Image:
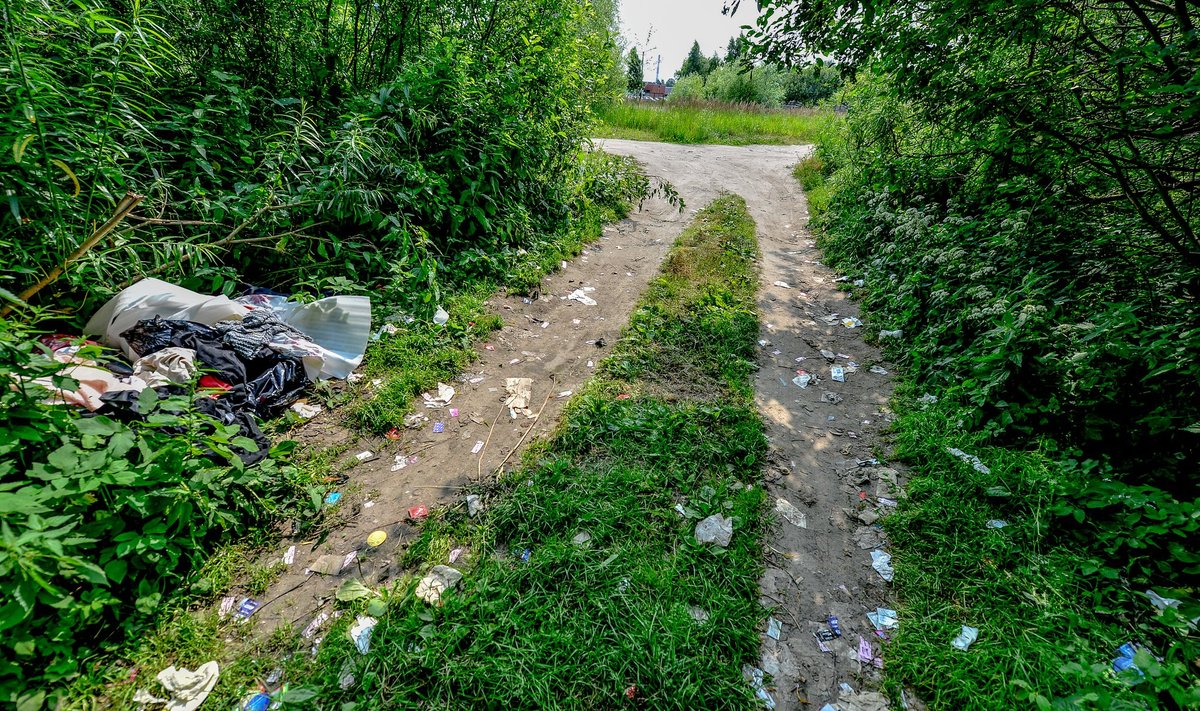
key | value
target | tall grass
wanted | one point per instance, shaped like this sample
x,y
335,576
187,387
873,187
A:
x,y
711,122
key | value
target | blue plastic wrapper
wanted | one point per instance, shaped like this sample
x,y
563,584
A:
x,y
833,625
258,702
1124,659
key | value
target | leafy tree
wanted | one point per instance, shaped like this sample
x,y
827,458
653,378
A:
x,y
634,71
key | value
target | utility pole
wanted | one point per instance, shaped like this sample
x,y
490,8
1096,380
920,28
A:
x,y
657,70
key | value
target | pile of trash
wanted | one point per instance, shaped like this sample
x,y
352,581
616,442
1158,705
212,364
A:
x,y
251,357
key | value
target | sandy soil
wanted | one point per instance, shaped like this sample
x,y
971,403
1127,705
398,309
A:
x,y
817,433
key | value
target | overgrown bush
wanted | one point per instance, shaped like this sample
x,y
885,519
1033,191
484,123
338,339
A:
x,y
100,517
735,83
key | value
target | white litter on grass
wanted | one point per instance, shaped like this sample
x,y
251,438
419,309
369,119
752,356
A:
x,y
828,355
715,529
188,688
478,446
927,399
763,342
581,297
965,638
698,614
838,373
887,502
226,607
474,505
566,393
878,371
306,411
442,399
793,515
476,380
802,380
360,632
783,285
441,318
882,563
348,560
891,334
996,523
439,580
969,459
289,556
315,625
364,455
354,377
851,322
400,463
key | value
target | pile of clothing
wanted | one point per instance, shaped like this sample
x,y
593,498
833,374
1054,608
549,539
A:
x,y
254,355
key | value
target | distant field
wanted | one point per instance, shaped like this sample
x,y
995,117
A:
x,y
730,124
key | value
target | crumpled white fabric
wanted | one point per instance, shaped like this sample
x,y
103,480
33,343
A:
x,y
520,393
170,366
93,382
188,688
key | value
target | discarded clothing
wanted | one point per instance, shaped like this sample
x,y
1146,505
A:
x,y
94,384
256,331
188,688
170,366
335,332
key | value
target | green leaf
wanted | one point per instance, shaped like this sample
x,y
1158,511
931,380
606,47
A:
x,y
115,570
298,695
353,590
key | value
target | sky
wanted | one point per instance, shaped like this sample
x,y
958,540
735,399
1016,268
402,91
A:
x,y
678,23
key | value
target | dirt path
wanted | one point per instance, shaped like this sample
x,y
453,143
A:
x,y
811,573
818,434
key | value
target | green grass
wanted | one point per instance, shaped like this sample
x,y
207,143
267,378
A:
x,y
729,124
575,626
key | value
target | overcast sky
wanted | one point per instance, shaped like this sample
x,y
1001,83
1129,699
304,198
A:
x,y
676,24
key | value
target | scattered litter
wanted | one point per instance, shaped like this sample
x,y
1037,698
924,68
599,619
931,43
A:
x,y
257,702
965,638
289,556
846,688
226,607
478,446
441,318
581,297
882,563
304,410
851,367
1160,602
360,632
873,462
364,455
623,585
927,399
346,676
418,512
520,393
774,628
866,654
333,497
763,342
581,538
887,502
354,377
878,371
315,626
415,421
851,322
834,626
454,412
859,282
489,347
590,364
715,529
474,505
996,523
442,399
838,374
455,555
439,580
698,614
439,427
376,538
1124,659
477,379
828,355
891,334
188,689
793,515
803,380
821,644
775,353
514,361
831,398
754,676
884,619
969,459
368,504
565,393
348,560
400,463
831,319
783,285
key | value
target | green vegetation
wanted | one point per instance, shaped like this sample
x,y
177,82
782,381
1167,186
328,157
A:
x,y
396,149
1029,225
736,125
668,420
737,80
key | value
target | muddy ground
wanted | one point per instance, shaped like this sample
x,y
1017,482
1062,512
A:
x,y
819,434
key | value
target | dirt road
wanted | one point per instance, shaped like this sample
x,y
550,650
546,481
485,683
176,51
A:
x,y
813,572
